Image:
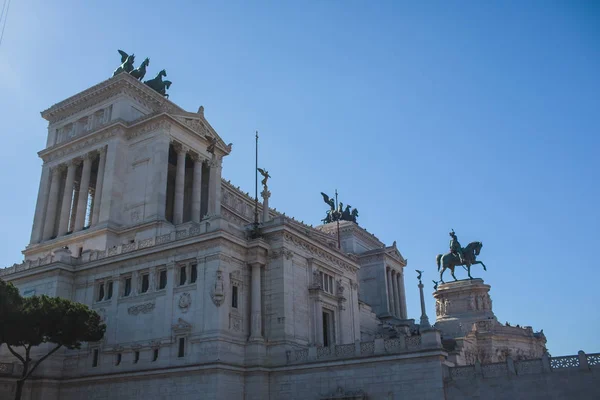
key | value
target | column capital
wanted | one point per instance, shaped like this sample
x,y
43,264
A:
x,y
215,162
179,147
58,169
197,157
88,155
101,150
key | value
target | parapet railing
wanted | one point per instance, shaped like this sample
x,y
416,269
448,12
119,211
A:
x,y
542,365
356,349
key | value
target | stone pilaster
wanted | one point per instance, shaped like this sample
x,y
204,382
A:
x,y
197,189
179,185
84,188
67,200
214,187
52,203
99,184
256,303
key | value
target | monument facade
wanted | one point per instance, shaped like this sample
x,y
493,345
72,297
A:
x,y
134,219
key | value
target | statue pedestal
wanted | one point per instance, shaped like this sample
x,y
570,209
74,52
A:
x,y
460,304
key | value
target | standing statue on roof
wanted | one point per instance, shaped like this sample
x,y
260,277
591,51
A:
x,y
265,175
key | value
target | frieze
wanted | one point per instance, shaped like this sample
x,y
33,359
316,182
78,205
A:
x,y
320,253
161,124
84,142
141,308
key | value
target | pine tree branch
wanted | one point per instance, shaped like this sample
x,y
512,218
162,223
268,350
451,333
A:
x,y
42,359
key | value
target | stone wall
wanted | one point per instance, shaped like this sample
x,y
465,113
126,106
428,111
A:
x,y
570,377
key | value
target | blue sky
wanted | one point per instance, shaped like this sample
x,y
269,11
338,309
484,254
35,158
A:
x,y
476,116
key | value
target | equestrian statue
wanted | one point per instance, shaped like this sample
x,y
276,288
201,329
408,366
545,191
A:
x,y
466,257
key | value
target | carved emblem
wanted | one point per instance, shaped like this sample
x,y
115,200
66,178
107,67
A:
x,y
181,326
217,293
185,300
141,308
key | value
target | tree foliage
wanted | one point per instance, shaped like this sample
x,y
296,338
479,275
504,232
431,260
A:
x,y
36,320
10,300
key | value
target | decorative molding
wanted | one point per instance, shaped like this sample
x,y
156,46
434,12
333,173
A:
x,y
144,308
182,327
235,322
121,84
83,142
319,252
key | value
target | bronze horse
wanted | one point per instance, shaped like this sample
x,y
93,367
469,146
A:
x,y
449,260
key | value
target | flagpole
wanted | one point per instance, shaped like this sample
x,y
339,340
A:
x,y
256,184
337,218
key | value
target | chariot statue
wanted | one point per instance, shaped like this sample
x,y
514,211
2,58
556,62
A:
x,y
466,257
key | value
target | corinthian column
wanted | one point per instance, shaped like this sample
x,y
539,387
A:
x,y
99,183
390,291
396,294
256,323
197,189
52,203
84,188
67,200
179,185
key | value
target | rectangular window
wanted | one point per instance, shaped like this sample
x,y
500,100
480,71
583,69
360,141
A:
x,y
234,297
182,276
328,328
194,273
145,283
162,279
101,292
155,355
181,350
327,282
118,361
127,288
325,329
109,290
95,358
136,357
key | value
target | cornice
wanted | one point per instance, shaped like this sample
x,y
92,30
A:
x,y
104,90
83,142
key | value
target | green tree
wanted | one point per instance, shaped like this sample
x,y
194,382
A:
x,y
43,319
10,300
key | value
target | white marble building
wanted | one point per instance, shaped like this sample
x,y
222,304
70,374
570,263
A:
x,y
134,219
